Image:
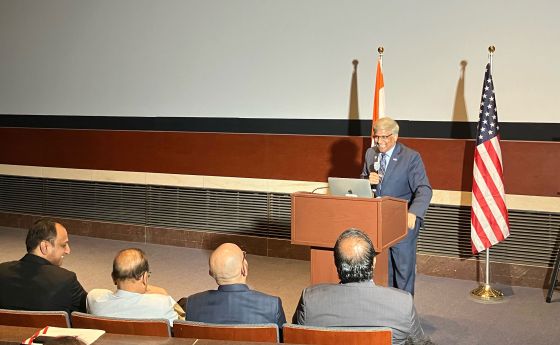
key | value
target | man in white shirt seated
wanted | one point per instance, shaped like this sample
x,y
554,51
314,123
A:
x,y
134,298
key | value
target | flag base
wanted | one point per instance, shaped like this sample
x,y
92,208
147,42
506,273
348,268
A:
x,y
486,293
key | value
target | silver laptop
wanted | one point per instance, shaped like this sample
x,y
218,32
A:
x,y
354,187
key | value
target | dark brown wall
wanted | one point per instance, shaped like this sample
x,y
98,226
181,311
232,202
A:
x,y
289,157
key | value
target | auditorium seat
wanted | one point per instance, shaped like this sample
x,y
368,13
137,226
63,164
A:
x,y
267,332
153,327
336,335
26,318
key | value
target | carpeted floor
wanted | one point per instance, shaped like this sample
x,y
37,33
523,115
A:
x,y
448,315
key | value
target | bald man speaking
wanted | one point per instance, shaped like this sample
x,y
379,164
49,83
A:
x,y
233,302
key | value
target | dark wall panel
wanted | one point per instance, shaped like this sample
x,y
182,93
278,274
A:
x,y
530,168
409,128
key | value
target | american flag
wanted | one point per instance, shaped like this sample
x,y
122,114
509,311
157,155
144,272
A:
x,y
489,215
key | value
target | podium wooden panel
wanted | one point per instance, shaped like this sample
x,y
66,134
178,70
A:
x,y
318,220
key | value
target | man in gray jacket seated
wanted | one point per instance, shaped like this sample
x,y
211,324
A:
x,y
357,301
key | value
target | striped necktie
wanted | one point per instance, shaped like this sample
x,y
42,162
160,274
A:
x,y
382,167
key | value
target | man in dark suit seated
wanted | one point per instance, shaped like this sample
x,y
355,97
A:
x,y
233,302
357,301
36,281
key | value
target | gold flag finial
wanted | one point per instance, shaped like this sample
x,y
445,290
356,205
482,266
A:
x,y
380,50
491,49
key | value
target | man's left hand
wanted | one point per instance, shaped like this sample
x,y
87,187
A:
x,y
411,220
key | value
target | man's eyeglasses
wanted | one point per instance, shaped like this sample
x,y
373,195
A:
x,y
244,255
382,137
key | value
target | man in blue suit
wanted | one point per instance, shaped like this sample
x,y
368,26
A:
x,y
233,302
398,171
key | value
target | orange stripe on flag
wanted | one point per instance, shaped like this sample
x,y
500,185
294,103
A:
x,y
379,94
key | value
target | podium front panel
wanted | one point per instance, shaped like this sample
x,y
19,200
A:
x,y
318,220
393,217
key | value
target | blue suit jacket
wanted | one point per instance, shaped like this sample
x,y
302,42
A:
x,y
234,304
405,178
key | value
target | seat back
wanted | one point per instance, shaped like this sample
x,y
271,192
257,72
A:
x,y
267,332
28,318
154,327
336,335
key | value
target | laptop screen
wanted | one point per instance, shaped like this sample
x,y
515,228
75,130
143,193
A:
x,y
355,187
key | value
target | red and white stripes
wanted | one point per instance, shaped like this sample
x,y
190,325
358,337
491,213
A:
x,y
489,216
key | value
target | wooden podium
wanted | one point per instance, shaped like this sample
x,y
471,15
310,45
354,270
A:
x,y
318,220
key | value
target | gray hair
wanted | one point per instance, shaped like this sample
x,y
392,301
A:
x,y
386,123
354,266
130,263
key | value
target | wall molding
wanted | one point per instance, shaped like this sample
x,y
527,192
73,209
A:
x,y
440,197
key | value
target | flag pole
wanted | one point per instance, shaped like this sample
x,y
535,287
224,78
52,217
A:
x,y
377,98
485,292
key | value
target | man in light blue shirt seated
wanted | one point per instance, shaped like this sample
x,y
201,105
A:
x,y
134,298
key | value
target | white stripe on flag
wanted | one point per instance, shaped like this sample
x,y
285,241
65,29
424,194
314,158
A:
x,y
476,239
496,144
494,209
483,222
489,164
381,108
487,193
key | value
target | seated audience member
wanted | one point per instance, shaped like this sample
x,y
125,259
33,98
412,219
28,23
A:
x,y
36,281
134,298
357,301
233,302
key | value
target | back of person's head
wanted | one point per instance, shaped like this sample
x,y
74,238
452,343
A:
x,y
354,256
228,265
129,264
41,230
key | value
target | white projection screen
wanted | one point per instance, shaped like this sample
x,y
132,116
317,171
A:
x,y
277,59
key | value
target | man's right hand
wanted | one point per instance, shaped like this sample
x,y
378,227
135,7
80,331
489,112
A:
x,y
374,178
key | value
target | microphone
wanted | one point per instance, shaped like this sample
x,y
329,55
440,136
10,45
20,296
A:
x,y
376,165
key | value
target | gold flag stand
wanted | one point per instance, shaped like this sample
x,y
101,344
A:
x,y
485,293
